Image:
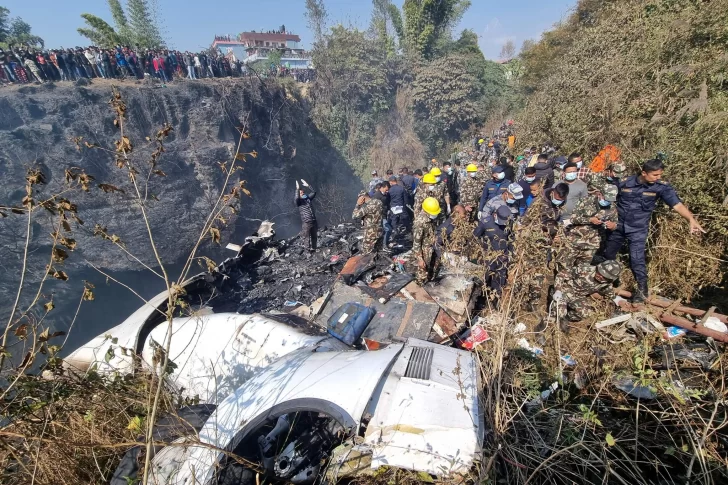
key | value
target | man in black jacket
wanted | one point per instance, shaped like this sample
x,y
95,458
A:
x,y
381,192
397,206
309,226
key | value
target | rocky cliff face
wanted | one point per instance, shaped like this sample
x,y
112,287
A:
x,y
38,123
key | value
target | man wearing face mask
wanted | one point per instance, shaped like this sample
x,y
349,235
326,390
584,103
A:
x,y
471,188
309,226
428,188
443,197
510,198
594,217
451,182
423,240
544,169
493,229
637,199
540,228
611,176
583,171
495,187
577,190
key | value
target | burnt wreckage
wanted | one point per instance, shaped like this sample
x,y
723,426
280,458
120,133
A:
x,y
306,366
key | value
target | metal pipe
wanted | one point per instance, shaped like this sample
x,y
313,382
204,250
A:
x,y
671,319
665,303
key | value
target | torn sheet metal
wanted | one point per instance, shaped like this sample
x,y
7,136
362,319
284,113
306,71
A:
x,y
383,291
398,318
356,266
455,294
428,421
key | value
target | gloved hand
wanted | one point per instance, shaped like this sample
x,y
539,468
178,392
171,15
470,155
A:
x,y
448,209
480,213
558,296
304,183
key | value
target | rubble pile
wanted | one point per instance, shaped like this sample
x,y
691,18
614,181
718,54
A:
x,y
275,275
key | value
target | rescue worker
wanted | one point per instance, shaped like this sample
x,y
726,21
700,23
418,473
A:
x,y
376,179
451,182
369,210
583,171
577,190
428,188
540,228
424,233
612,175
443,194
493,229
637,199
573,289
495,187
510,198
592,220
471,188
309,226
397,206
381,192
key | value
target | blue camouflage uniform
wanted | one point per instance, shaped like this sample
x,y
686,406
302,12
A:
x,y
497,241
635,203
491,190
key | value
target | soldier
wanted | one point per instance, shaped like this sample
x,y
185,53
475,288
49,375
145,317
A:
x,y
471,187
597,180
593,218
376,179
369,210
539,234
442,183
424,234
428,188
638,196
574,287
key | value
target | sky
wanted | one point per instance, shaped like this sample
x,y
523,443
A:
x,y
192,24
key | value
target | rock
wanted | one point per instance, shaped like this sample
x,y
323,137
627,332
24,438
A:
x,y
47,127
82,81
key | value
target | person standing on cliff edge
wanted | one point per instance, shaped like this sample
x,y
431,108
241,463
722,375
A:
x,y
309,226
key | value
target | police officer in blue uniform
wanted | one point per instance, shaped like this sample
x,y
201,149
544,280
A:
x,y
493,228
495,187
637,199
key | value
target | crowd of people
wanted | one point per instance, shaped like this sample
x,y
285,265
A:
x,y
22,65
573,220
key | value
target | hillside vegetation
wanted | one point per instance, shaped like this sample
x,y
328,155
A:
x,y
649,77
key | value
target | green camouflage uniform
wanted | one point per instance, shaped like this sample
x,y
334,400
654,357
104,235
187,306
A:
x,y
539,227
596,181
423,240
371,213
576,285
583,238
423,192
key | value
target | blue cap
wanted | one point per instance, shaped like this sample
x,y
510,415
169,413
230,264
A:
x,y
498,169
503,214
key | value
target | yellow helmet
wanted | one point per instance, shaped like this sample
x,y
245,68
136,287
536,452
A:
x,y
481,141
431,206
436,171
471,168
429,179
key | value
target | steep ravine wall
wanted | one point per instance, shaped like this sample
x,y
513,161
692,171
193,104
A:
x,y
36,127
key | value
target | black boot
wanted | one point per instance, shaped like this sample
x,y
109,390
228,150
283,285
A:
x,y
641,294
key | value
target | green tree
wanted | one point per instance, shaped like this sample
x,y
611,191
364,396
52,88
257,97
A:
x,y
448,99
120,22
317,16
4,24
20,33
99,32
381,24
428,21
144,30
